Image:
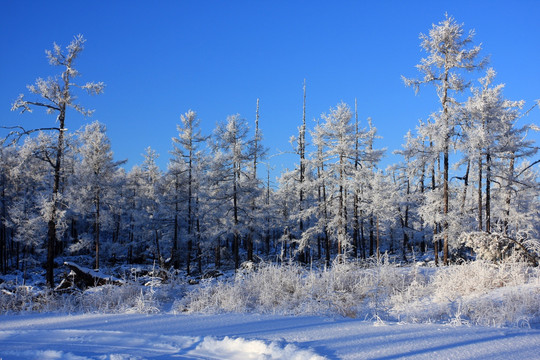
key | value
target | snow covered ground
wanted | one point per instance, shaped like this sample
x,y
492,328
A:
x,y
234,336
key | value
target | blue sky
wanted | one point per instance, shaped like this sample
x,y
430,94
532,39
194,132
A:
x,y
162,58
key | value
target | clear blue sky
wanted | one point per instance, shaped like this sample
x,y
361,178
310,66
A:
x,y
161,58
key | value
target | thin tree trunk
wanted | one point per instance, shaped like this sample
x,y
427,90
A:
x,y
378,241
3,233
236,243
51,224
158,250
435,226
509,194
488,192
480,210
446,155
97,230
302,150
190,213
465,186
371,235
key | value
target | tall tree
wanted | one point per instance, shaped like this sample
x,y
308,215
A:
x,y
490,117
231,155
187,152
96,177
56,95
339,135
449,53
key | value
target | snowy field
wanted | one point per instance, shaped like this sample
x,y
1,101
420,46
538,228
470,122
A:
x,y
233,336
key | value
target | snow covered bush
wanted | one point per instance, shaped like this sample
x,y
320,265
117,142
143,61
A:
x,y
486,246
127,298
25,298
345,289
478,292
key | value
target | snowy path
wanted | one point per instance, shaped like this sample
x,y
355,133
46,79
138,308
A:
x,y
119,337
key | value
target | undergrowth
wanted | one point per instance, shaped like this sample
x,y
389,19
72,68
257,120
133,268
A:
x,y
472,293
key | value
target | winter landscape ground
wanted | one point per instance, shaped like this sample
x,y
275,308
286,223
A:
x,y
167,336
351,311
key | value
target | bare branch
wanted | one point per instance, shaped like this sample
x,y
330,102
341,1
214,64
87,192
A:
x,y
18,132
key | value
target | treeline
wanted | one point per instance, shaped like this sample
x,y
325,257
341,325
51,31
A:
x,y
465,181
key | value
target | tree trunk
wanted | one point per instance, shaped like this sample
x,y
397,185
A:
x,y
236,243
488,192
158,250
371,235
465,186
174,250
446,205
96,230
480,210
435,226
3,232
190,217
508,194
51,224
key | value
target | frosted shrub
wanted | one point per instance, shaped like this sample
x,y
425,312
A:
x,y
477,277
26,299
118,299
345,289
286,285
479,292
511,306
413,303
486,246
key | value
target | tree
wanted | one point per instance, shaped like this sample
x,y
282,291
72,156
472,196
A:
x,y
56,96
186,156
489,116
449,53
231,184
339,137
151,198
23,214
96,177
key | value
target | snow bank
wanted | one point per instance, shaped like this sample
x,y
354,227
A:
x,y
242,349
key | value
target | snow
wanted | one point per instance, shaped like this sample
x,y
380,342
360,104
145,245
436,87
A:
x,y
235,336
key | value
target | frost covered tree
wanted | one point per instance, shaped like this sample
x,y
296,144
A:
x,y
186,158
490,117
450,52
56,95
229,179
8,156
96,175
408,178
28,177
339,137
257,152
151,204
496,145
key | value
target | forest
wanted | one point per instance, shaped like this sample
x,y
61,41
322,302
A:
x,y
466,186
